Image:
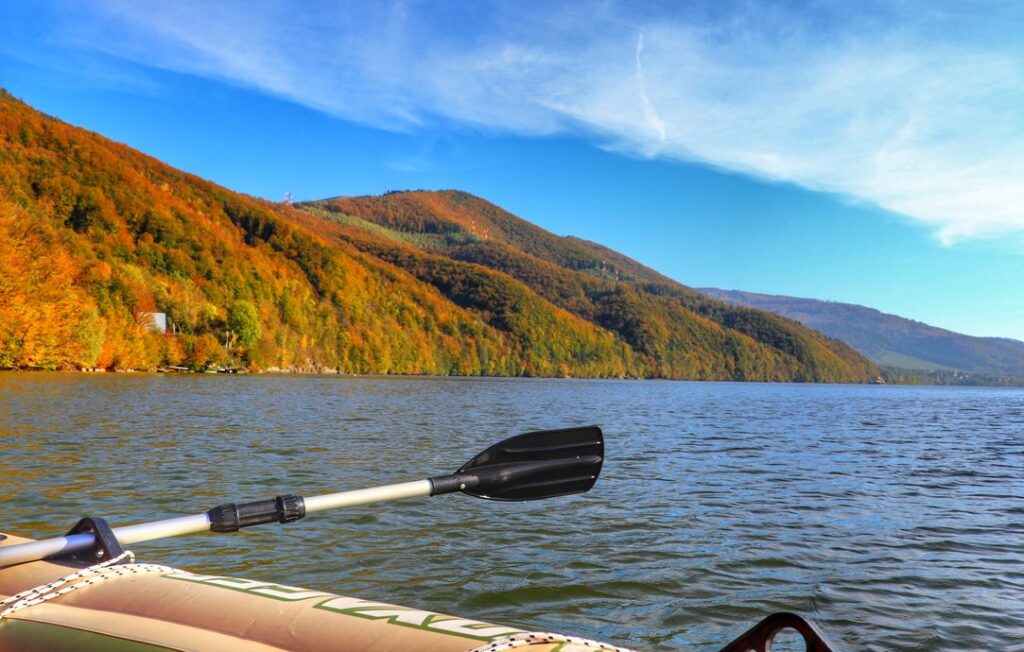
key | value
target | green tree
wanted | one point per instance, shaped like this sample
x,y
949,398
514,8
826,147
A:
x,y
89,333
244,321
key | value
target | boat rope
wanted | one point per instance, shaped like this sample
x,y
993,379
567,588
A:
x,y
523,639
85,577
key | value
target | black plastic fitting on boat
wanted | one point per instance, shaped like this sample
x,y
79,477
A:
x,y
760,637
231,517
105,545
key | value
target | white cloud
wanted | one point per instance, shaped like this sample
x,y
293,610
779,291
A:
x,y
650,115
917,108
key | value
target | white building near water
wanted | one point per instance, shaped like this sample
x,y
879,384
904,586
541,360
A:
x,y
154,321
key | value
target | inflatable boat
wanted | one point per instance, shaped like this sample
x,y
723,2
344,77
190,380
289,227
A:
x,y
84,591
135,607
147,608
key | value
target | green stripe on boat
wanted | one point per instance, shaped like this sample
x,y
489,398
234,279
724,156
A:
x,y
392,614
30,636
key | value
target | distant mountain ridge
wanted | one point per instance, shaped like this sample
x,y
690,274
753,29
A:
x,y
889,339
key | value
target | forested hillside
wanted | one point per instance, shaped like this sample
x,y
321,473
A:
x,y
672,330
95,236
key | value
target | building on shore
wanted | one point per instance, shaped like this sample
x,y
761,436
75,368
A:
x,y
154,321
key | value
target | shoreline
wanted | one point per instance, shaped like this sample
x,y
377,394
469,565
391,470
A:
x,y
1008,384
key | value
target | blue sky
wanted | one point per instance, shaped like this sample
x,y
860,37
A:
x,y
863,152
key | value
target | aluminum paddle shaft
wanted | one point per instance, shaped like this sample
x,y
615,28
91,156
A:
x,y
172,527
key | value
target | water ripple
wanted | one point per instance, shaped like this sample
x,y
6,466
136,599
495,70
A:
x,y
892,515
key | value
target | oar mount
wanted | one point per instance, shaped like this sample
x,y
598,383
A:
x,y
105,544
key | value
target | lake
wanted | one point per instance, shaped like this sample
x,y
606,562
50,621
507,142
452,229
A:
x,y
893,516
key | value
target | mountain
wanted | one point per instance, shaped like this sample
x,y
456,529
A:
x,y
95,236
671,330
891,340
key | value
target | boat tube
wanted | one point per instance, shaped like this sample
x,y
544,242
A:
x,y
51,605
137,607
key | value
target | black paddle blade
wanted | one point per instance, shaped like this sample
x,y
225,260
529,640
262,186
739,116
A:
x,y
531,466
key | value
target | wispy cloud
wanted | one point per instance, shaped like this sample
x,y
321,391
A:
x,y
650,115
915,107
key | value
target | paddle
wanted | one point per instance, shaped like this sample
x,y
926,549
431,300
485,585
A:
x,y
530,466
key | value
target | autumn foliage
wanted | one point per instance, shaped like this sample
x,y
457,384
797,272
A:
x,y
95,236
671,331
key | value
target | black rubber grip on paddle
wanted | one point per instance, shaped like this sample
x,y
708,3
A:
x,y
231,517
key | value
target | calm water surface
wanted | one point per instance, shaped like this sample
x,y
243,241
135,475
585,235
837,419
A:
x,y
894,516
